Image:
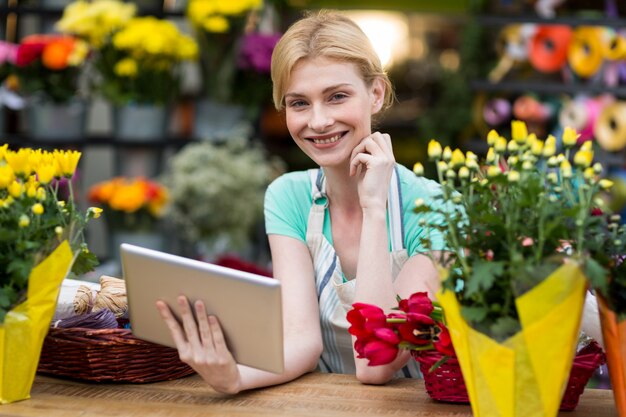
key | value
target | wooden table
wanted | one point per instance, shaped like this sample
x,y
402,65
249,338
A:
x,y
319,395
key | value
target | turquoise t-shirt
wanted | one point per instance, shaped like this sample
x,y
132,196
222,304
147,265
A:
x,y
288,201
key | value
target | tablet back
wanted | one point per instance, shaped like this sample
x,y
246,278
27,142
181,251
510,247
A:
x,y
248,306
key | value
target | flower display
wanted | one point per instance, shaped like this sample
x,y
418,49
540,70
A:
x,y
130,203
35,218
416,324
217,190
50,65
232,51
138,59
517,216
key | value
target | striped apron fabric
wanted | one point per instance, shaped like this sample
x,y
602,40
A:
x,y
335,296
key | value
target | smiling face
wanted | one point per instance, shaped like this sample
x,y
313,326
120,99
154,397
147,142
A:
x,y
329,109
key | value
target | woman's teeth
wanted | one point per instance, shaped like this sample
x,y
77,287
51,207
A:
x,y
325,141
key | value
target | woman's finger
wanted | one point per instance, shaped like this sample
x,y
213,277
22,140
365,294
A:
x,y
189,322
383,140
357,160
218,337
204,327
172,324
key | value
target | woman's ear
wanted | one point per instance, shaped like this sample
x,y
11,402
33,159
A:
x,y
378,95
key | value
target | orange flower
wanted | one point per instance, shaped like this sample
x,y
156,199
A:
x,y
57,52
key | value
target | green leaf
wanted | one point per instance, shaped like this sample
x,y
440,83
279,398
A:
x,y
597,275
474,314
483,275
504,327
85,261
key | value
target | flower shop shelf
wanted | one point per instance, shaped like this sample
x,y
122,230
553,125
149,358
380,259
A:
x,y
58,11
16,140
500,20
545,87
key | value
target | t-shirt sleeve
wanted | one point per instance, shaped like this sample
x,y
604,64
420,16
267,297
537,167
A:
x,y
287,204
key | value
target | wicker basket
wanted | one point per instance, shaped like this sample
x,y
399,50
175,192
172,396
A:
x,y
446,382
108,355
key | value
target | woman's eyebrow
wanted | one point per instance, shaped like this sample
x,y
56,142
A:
x,y
326,90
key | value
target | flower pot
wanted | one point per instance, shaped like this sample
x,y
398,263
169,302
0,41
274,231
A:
x,y
25,326
146,239
57,121
218,122
614,336
137,122
526,374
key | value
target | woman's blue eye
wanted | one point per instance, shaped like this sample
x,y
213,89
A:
x,y
339,96
297,103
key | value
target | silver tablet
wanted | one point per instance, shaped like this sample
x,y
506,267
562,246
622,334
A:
x,y
248,306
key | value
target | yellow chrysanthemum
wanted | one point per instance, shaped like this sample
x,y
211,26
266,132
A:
x,y
519,131
126,67
37,209
7,176
68,162
24,221
434,149
16,189
570,137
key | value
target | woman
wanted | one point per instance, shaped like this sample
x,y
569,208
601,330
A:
x,y
340,234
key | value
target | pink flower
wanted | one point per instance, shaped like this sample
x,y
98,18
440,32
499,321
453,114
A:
x,y
8,53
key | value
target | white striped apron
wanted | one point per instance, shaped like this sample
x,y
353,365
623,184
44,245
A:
x,y
335,296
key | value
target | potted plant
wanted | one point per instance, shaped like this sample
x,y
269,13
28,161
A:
x,y
514,278
41,241
49,69
137,62
217,193
133,208
235,51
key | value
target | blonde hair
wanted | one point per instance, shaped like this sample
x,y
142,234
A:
x,y
331,35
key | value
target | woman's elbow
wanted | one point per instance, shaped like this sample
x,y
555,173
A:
x,y
373,375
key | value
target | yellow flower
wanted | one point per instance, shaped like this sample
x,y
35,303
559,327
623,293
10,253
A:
x,y
216,24
570,137
500,146
434,149
586,146
126,67
41,194
491,156
457,159
549,147
447,154
79,53
566,169
46,172
418,169
513,176
583,158
605,184
95,212
492,137
442,166
16,189
19,161
537,147
6,176
68,161
493,171
589,173
24,221
519,132
464,173
513,146
37,209
58,230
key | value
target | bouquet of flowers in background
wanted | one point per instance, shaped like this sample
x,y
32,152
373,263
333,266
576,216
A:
x,y
132,204
137,59
417,324
50,66
34,218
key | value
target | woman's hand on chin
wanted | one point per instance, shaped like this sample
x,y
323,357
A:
x,y
201,345
372,161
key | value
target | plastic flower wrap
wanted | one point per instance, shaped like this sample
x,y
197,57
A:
x,y
138,59
50,65
131,203
35,217
514,278
416,324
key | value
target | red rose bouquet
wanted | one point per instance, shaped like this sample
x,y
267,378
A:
x,y
416,324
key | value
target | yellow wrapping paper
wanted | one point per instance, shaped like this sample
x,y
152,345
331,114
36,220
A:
x,y
26,326
525,375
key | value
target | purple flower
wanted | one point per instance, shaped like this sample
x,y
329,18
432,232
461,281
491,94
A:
x,y
256,51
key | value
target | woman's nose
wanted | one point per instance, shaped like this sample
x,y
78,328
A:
x,y
320,119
